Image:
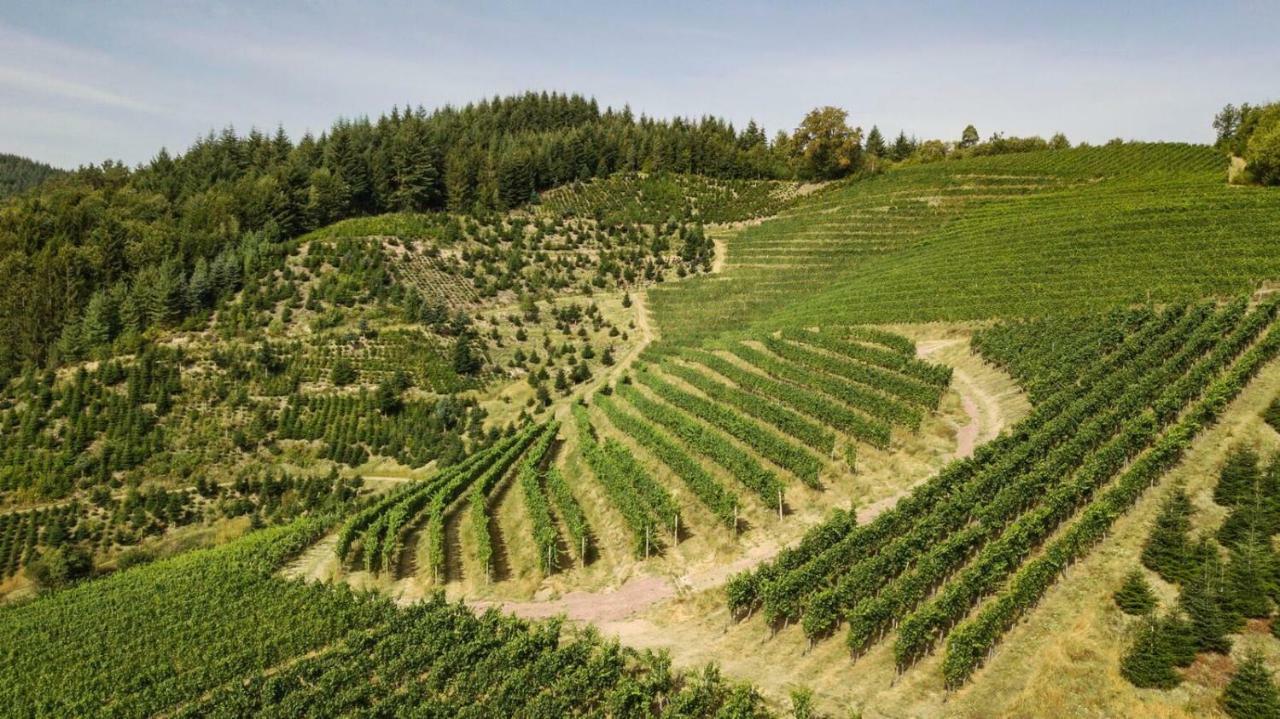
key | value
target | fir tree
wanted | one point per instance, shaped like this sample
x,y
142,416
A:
x,y
1205,604
902,148
875,143
1272,415
1250,580
1148,663
1251,693
1135,595
1238,476
1168,548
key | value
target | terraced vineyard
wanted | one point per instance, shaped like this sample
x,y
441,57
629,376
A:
x,y
990,236
750,420
1162,229
997,530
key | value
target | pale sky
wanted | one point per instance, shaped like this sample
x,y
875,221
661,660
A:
x,y
82,82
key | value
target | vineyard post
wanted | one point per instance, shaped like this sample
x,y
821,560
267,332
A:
x,y
779,504
675,531
646,541
582,555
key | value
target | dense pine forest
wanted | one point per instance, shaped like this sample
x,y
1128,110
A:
x,y
19,174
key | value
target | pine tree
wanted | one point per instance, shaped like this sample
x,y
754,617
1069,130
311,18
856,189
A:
x,y
875,143
1250,580
101,320
1272,415
1149,661
1168,548
1238,476
1251,693
902,148
1205,604
416,179
1135,595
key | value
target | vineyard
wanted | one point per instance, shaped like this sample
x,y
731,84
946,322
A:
x,y
989,237
376,538
850,432
994,532
1163,230
298,649
749,422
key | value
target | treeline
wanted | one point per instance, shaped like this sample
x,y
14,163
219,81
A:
x,y
1252,132
102,225
18,174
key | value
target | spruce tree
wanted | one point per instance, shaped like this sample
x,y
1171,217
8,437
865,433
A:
x,y
1250,580
1135,595
1148,663
875,143
1205,604
1251,693
1168,549
1272,415
1238,476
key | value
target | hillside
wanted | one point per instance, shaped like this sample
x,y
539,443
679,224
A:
x,y
1012,235
296,428
18,174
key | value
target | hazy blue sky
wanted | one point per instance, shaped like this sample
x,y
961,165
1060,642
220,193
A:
x,y
85,81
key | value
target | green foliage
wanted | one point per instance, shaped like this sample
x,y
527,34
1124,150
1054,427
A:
x,y
1168,550
1204,600
1251,579
1240,473
60,566
159,639
825,147
1251,693
19,174
1135,595
1149,661
653,198
343,373
644,506
1272,414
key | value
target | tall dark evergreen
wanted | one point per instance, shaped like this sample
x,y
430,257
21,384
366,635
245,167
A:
x,y
1135,595
1149,661
1238,476
1251,693
875,143
1168,551
1251,578
1206,604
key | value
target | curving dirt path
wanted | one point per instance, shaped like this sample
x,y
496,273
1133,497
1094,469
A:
x,y
974,400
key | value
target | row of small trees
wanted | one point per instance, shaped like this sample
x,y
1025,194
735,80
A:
x,y
1214,597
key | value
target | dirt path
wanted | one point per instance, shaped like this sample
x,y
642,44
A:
x,y
722,255
975,402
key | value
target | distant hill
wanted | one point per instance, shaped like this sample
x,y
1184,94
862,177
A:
x,y
20,173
